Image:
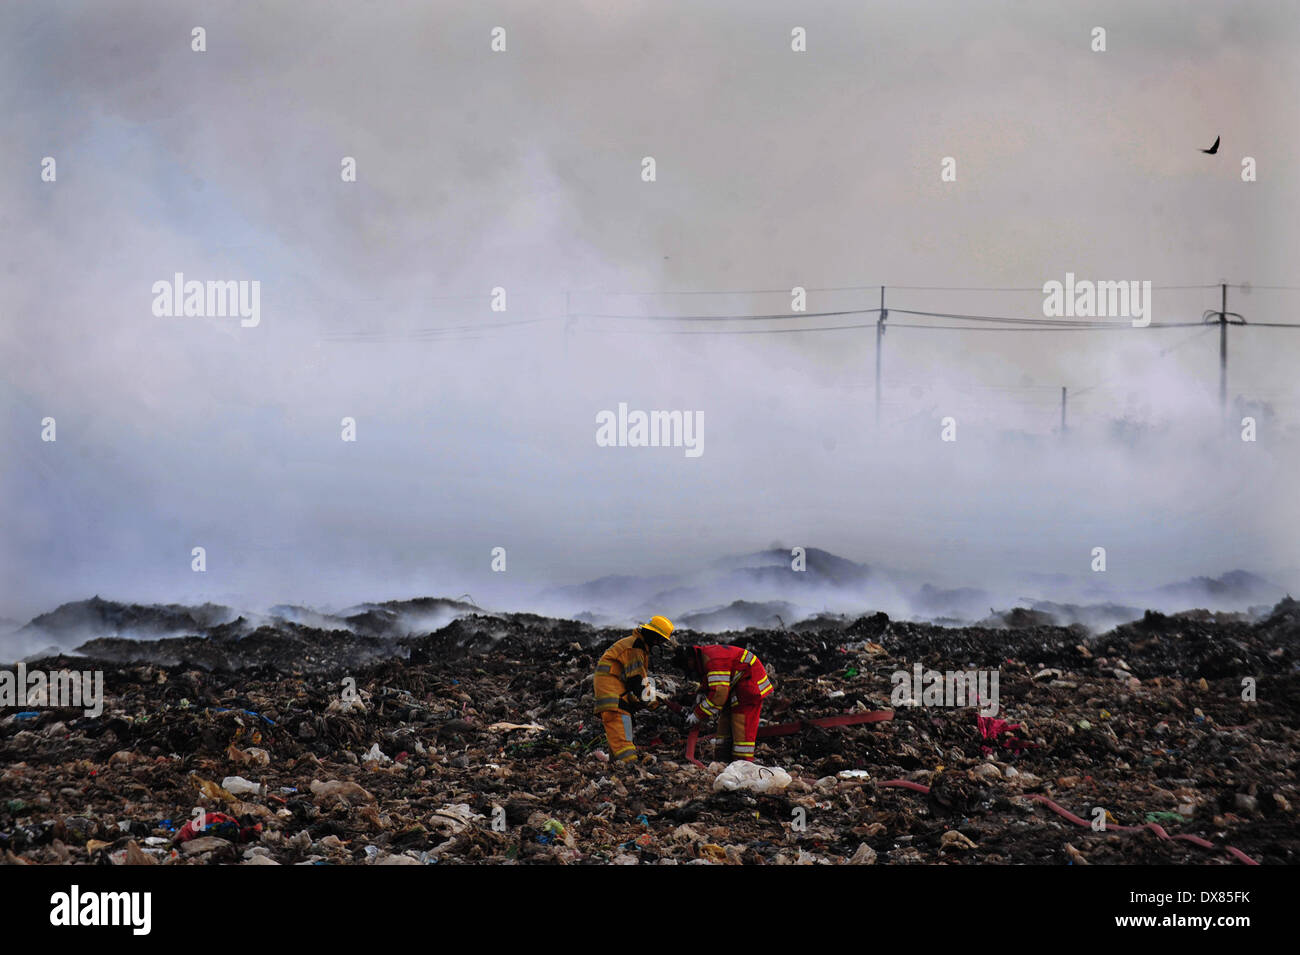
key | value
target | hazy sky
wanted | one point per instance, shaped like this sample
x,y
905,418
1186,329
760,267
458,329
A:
x,y
522,169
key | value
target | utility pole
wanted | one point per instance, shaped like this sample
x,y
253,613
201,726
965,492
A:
x,y
1223,352
1225,318
880,337
1062,410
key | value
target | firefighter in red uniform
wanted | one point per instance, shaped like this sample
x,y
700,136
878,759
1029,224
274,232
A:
x,y
733,685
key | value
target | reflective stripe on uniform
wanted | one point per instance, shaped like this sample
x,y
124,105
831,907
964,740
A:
x,y
624,753
603,668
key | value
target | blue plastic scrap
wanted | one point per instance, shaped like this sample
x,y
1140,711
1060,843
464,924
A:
x,y
226,709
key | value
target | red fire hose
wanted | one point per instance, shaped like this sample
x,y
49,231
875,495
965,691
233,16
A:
x,y
877,716
1066,814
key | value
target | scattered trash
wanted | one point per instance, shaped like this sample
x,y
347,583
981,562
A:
x,y
345,790
495,757
1165,817
1076,857
553,827
239,786
865,855
216,825
511,727
454,819
214,792
745,775
713,853
954,839
999,731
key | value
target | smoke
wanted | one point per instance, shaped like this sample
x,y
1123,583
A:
x,y
522,171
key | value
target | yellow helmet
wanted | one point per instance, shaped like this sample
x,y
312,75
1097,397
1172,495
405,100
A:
x,y
660,627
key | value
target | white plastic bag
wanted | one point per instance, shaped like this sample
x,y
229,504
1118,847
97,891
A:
x,y
239,786
751,776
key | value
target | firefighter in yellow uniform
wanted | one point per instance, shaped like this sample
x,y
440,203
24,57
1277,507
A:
x,y
620,684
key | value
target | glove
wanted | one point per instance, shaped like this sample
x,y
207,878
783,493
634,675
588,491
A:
x,y
691,718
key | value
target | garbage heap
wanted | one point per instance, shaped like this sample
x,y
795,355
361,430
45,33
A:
x,y
476,743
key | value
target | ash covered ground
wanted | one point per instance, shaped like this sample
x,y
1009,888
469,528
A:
x,y
436,760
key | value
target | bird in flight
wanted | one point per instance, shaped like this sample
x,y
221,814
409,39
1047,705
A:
x,y
1213,149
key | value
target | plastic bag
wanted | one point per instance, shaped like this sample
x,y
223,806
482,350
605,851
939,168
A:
x,y
751,776
239,786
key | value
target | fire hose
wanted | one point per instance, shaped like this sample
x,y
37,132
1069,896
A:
x,y
1066,814
877,716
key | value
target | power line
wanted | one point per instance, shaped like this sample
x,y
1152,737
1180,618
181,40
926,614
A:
x,y
1050,328
727,318
990,323
838,328
1019,288
955,316
734,331
1006,320
1044,322
868,288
